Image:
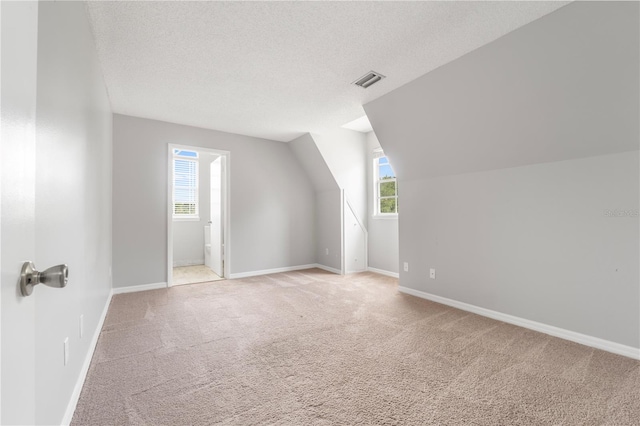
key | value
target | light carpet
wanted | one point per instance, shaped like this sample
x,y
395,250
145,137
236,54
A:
x,y
314,348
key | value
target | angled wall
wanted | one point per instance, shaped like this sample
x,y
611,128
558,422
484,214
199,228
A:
x,y
345,153
328,233
518,173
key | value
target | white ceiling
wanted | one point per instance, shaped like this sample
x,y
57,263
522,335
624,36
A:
x,y
277,70
361,124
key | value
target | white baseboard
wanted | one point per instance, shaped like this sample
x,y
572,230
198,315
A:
x,y
75,396
136,288
188,262
383,272
328,268
573,336
270,271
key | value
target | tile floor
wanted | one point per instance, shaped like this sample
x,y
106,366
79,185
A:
x,y
193,274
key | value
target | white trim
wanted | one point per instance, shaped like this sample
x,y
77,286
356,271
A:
x,y
385,216
562,333
343,263
137,288
271,271
155,286
186,218
328,268
75,396
383,272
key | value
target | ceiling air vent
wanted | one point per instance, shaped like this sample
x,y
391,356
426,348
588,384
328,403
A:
x,y
368,79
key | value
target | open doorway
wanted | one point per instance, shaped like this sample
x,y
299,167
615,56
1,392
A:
x,y
198,215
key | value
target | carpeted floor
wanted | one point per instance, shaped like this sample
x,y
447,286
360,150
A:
x,y
314,348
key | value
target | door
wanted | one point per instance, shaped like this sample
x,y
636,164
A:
x,y
17,211
216,216
355,241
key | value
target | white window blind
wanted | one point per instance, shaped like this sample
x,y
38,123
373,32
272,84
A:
x,y
377,153
185,188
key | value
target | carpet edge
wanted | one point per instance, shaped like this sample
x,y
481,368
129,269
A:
x,y
136,288
75,396
278,270
584,339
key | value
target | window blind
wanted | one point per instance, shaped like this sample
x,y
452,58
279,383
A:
x,y
377,153
185,187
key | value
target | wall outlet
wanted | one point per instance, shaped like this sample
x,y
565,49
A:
x,y
326,251
66,350
406,266
110,271
432,273
81,326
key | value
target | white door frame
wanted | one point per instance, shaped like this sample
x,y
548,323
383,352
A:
x,y
226,223
215,210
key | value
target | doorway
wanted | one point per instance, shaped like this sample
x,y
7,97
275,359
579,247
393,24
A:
x,y
198,215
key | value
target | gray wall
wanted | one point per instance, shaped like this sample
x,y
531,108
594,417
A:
x,y
328,233
337,160
188,235
329,229
74,144
70,174
383,243
307,153
530,241
272,200
344,152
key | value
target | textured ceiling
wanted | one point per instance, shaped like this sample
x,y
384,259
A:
x,y
277,70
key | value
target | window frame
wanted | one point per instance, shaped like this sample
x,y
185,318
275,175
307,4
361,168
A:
x,y
377,181
195,159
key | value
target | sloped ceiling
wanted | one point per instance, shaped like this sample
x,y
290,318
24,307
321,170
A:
x,y
561,88
277,70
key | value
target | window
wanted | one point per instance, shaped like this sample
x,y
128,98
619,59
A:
x,y
386,186
185,184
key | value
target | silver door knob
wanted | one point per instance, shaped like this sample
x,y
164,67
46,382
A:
x,y
56,276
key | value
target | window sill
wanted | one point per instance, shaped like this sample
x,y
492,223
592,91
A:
x,y
385,216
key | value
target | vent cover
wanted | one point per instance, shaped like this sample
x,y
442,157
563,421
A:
x,y
369,79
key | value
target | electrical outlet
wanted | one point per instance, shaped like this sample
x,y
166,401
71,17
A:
x,y
81,326
406,266
326,252
110,271
432,273
66,350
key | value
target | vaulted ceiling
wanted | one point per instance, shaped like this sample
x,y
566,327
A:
x,y
277,70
